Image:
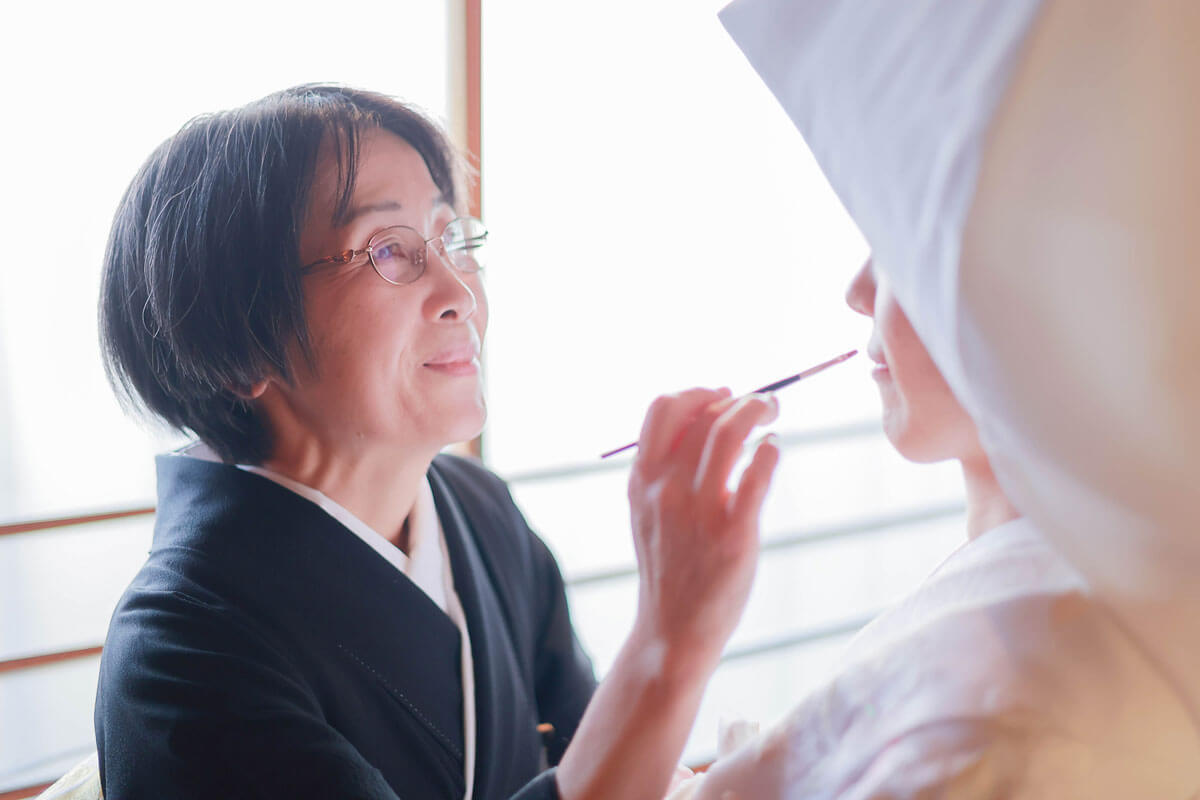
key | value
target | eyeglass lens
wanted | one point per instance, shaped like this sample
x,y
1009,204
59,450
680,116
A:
x,y
399,253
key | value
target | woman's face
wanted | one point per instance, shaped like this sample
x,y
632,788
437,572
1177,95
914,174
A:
x,y
921,416
395,365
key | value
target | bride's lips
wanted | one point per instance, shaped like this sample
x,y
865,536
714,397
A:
x,y
463,360
881,368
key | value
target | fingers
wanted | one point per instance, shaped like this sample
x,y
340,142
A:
x,y
690,529
747,501
668,418
725,439
692,440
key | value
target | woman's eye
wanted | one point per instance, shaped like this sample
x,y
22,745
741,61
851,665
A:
x,y
389,251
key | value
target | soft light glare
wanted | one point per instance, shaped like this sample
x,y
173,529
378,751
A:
x,y
112,81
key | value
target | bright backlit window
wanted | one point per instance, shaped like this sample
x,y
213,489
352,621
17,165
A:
x,y
92,90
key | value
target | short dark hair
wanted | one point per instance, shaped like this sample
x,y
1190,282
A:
x,y
200,296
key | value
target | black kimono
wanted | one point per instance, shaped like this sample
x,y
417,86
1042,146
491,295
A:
x,y
266,651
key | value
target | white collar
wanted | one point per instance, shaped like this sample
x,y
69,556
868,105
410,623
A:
x,y
423,564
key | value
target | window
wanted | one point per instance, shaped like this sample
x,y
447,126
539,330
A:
x,y
91,92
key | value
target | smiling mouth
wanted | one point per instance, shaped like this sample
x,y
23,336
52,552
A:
x,y
457,367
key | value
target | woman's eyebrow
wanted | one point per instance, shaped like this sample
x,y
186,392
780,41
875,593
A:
x,y
385,205
372,208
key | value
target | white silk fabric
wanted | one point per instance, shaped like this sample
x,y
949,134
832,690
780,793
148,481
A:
x,y
1027,174
998,677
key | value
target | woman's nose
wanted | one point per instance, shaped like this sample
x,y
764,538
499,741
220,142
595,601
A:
x,y
860,295
451,298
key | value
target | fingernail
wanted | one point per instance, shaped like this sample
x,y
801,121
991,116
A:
x,y
767,438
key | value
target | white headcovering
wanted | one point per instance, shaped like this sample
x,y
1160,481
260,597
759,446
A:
x,y
1027,174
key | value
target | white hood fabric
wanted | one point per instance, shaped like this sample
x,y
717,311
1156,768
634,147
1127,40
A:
x,y
1027,174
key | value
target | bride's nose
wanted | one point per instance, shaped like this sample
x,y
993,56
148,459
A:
x,y
860,295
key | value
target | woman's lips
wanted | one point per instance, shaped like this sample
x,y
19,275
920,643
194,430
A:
x,y
457,361
455,368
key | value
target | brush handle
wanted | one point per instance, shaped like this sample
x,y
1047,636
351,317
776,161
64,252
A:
x,y
770,387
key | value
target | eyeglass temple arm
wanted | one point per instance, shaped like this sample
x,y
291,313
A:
x,y
469,241
344,257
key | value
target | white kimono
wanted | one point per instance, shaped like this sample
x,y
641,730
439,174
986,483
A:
x,y
998,678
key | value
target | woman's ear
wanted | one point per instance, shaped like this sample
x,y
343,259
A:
x,y
253,391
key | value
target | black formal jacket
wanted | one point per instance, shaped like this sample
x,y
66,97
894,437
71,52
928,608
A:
x,y
265,651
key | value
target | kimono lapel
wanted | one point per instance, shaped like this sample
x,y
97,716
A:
x,y
263,540
506,746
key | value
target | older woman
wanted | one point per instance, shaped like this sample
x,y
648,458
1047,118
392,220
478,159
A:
x,y
330,608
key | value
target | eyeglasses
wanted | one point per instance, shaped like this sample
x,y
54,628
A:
x,y
399,253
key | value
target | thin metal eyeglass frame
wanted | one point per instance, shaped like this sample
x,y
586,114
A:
x,y
346,256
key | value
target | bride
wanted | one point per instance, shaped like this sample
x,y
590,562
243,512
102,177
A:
x,y
998,677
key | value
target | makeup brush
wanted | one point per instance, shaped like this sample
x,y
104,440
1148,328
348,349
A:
x,y
770,387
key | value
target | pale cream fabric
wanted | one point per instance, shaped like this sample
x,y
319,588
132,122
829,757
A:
x,y
82,782
1079,280
998,678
